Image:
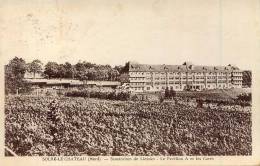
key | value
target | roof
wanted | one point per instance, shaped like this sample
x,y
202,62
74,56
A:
x,y
55,81
103,83
72,82
186,67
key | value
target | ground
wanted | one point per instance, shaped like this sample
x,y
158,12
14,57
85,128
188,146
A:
x,y
82,126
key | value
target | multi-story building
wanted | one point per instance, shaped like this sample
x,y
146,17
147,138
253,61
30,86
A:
x,y
143,77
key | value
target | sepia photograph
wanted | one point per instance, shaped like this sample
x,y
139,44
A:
x,y
136,109
157,79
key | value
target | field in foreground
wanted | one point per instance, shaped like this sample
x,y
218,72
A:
x,y
78,126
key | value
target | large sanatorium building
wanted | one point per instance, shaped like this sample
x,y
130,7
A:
x,y
143,77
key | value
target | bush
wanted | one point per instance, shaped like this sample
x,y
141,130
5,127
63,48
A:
x,y
245,97
51,126
100,95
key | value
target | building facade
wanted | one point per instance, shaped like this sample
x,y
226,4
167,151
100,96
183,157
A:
x,y
143,77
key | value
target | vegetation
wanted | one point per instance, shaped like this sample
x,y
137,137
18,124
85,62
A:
x,y
34,67
247,78
109,95
247,97
78,126
169,94
17,67
14,74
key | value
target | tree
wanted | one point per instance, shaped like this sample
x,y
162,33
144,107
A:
x,y
14,74
34,67
80,71
166,95
172,93
247,78
119,69
61,71
90,74
113,75
69,70
124,78
126,67
52,70
88,65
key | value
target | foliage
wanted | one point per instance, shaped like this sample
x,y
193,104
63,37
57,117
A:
x,y
14,74
169,94
245,97
61,126
247,78
34,67
172,93
82,71
99,94
52,70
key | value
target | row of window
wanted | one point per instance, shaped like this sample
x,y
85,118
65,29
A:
x,y
235,77
183,82
137,78
237,73
137,83
177,78
237,81
178,87
183,73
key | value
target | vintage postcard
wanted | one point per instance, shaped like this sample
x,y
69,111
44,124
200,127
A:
x,y
130,82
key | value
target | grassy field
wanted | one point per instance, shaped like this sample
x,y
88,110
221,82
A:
x,y
78,126
224,94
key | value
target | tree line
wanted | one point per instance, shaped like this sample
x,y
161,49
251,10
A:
x,y
247,78
17,67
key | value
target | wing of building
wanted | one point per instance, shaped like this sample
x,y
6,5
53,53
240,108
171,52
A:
x,y
144,77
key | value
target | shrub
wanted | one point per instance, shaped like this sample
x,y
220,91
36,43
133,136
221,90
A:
x,y
98,94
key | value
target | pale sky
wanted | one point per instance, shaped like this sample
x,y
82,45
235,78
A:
x,y
205,32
